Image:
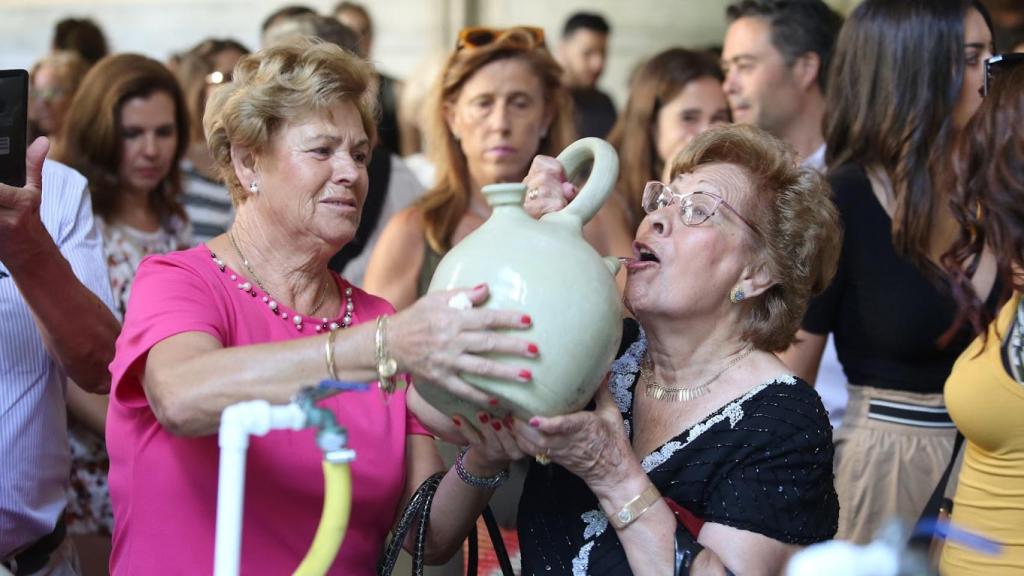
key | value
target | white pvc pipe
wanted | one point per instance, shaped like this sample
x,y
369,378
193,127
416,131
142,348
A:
x,y
237,423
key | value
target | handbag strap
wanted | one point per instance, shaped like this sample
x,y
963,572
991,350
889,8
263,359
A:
x,y
418,507
473,554
931,509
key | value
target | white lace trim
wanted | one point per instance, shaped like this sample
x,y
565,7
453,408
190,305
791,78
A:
x,y
624,371
734,412
582,560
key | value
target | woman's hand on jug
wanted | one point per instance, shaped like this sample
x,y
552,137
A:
x,y
491,439
444,335
547,189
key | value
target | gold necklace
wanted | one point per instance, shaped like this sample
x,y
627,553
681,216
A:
x,y
248,267
656,391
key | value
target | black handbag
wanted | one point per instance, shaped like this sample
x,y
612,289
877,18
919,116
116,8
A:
x,y
419,508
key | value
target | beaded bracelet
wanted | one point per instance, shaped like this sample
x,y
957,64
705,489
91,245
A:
x,y
476,481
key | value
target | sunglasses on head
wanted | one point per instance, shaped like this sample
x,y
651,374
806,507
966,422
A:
x,y
478,36
997,65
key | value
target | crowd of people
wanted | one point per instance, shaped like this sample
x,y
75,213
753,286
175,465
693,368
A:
x,y
822,225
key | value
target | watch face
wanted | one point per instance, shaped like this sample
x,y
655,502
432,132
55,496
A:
x,y
624,516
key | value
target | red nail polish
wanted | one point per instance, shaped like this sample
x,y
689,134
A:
x,y
496,425
456,421
526,320
535,422
533,349
493,401
525,375
508,421
484,418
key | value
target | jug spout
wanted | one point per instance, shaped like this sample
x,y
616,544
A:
x,y
613,264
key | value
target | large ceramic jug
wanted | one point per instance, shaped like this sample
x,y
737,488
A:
x,y
546,269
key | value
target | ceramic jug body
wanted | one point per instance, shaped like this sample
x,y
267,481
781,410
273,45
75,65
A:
x,y
544,268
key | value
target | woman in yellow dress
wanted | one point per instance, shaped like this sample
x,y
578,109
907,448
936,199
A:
x,y
985,391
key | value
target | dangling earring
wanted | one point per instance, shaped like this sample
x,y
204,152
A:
x,y
254,187
736,295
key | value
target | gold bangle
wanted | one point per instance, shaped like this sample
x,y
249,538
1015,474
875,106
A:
x,y
386,366
329,354
635,508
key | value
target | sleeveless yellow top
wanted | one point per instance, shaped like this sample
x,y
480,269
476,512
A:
x,y
987,405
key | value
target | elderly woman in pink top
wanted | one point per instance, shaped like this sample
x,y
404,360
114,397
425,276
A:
x,y
248,316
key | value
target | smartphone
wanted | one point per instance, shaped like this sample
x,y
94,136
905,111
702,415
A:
x,y
13,126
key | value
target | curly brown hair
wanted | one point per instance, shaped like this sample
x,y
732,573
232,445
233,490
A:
x,y
989,201
792,207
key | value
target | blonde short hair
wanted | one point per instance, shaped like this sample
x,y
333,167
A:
x,y
278,85
793,209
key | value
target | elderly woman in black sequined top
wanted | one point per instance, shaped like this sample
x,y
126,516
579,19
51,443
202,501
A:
x,y
704,454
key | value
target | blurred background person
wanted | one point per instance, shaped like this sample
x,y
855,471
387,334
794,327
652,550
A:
x,y
127,132
498,102
54,80
674,96
905,81
388,89
985,391
279,15
80,35
776,57
583,53
201,70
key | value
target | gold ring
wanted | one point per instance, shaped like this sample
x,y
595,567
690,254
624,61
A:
x,y
533,194
542,458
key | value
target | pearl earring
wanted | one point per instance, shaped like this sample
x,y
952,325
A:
x,y
737,295
254,187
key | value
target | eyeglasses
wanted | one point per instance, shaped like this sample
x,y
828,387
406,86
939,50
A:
x,y
695,208
48,94
997,65
478,37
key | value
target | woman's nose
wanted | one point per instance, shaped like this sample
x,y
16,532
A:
x,y
150,146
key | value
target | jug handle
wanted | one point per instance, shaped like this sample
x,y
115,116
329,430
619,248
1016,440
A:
x,y
603,175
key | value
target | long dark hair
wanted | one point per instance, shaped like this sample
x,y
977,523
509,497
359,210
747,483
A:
x,y
894,83
90,141
989,202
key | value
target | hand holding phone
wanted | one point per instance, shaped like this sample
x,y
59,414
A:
x,y
22,233
13,126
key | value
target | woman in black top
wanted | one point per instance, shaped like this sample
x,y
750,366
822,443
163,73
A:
x,y
699,417
904,82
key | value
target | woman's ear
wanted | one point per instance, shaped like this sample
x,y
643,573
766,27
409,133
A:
x,y
448,109
243,160
755,280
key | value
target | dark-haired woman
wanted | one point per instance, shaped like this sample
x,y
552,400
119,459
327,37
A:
x,y
905,81
985,391
126,132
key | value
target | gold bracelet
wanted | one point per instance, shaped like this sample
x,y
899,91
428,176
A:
x,y
329,354
386,366
635,508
